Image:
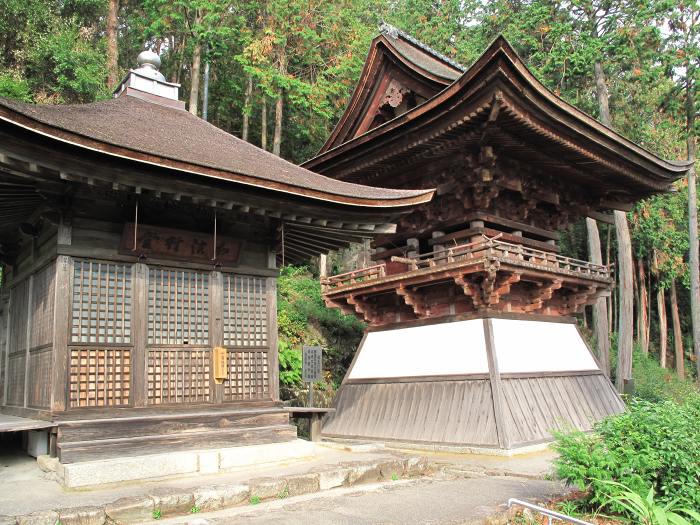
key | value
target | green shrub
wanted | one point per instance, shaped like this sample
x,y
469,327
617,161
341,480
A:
x,y
290,365
650,445
653,383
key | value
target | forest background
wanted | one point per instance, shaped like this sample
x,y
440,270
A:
x,y
279,73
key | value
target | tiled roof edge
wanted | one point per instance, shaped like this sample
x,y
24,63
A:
x,y
395,32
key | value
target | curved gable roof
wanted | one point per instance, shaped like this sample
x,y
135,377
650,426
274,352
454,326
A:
x,y
146,132
393,54
501,75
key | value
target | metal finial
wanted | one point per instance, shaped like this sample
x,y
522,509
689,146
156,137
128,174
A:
x,y
149,63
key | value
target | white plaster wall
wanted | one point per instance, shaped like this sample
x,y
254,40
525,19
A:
x,y
538,346
437,349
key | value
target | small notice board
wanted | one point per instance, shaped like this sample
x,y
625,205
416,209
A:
x,y
311,364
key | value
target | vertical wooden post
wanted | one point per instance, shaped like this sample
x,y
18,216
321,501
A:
x,y
139,334
272,356
27,354
216,328
6,357
496,387
61,332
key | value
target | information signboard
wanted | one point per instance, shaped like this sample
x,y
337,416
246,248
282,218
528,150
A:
x,y
311,364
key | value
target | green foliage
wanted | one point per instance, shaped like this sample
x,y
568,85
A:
x,y
156,514
13,86
195,509
651,445
254,500
644,509
290,364
654,383
303,319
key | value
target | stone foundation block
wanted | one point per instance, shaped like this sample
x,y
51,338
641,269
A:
x,y
332,478
47,463
82,516
392,468
363,473
303,484
267,488
45,517
232,495
209,462
172,503
416,466
126,511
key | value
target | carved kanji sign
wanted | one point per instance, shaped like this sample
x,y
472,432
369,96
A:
x,y
168,243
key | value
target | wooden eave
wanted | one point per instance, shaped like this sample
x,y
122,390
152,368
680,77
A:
x,y
390,200
499,77
383,61
38,173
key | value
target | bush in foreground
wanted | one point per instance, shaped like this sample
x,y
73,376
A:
x,y
652,445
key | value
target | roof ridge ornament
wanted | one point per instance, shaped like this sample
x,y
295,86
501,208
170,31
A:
x,y
148,83
394,32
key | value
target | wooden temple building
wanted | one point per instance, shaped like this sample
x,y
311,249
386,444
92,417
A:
x,y
140,248
471,339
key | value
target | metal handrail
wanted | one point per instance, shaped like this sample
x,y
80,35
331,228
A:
x,y
546,512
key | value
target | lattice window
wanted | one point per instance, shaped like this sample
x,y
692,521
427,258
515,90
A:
x,y
178,307
99,377
178,376
245,311
101,303
42,306
247,376
18,317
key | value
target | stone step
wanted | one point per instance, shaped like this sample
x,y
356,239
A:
x,y
106,448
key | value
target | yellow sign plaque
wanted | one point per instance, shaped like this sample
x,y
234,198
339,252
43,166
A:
x,y
220,364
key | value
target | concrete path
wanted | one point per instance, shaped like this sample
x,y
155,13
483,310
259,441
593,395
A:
x,y
416,502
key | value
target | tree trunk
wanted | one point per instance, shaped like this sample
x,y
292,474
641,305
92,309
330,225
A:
x,y
279,106
625,270
246,107
112,49
611,299
263,123
601,91
694,258
663,326
194,80
677,334
643,314
600,311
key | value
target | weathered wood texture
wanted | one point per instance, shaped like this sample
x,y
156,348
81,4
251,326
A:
x,y
536,406
462,412
447,412
129,436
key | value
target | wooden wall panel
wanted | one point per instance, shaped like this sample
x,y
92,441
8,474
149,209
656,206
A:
x,y
43,299
4,314
178,375
248,376
99,377
39,378
536,406
15,378
178,307
101,303
245,311
442,412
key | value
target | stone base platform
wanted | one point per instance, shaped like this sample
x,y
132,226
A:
x,y
188,462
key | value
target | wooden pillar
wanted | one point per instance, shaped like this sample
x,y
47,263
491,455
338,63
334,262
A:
x,y
61,332
323,265
496,387
27,354
272,355
216,328
6,356
435,235
413,247
476,224
139,334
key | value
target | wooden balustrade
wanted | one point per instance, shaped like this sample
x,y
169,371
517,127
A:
x,y
492,247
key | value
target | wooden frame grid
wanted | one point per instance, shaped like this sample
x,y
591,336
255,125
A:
x,y
101,311
178,307
178,375
99,376
245,311
248,376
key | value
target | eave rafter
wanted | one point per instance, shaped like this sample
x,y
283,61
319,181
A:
x,y
413,298
543,292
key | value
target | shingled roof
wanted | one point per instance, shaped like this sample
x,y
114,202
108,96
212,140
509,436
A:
x,y
135,129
